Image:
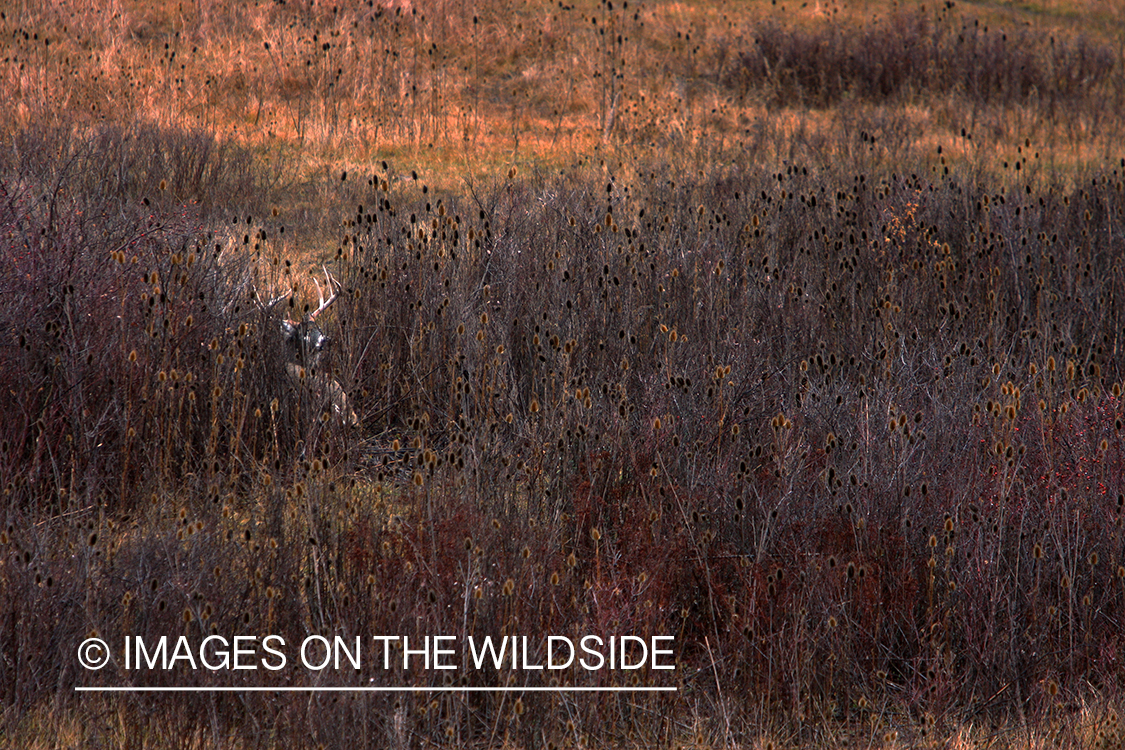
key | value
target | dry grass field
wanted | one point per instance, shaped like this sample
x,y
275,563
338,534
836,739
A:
x,y
793,331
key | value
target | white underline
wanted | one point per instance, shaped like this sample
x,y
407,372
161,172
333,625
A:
x,y
440,689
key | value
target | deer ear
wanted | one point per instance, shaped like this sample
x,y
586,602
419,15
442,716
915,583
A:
x,y
288,328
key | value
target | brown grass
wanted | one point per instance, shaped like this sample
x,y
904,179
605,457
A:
x,y
459,91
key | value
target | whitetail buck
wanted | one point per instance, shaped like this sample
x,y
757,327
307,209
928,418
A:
x,y
305,346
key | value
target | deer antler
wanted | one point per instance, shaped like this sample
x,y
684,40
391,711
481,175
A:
x,y
269,307
334,285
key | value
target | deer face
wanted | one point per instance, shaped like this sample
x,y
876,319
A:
x,y
305,341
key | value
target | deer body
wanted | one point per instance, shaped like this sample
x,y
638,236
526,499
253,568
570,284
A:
x,y
305,345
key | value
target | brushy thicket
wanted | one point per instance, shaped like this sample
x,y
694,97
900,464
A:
x,y
854,440
130,320
849,428
915,54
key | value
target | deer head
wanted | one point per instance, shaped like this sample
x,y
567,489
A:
x,y
305,340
